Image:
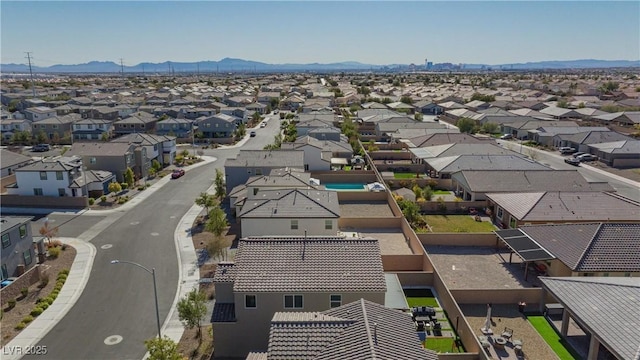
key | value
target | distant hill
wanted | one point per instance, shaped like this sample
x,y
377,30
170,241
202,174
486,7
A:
x,y
240,65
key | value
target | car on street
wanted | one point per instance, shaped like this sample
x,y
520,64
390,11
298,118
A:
x,y
566,150
572,161
263,124
252,134
587,157
575,155
40,148
506,137
177,173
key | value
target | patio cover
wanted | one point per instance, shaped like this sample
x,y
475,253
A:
x,y
524,246
339,161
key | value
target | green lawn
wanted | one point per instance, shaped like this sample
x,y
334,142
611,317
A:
x,y
552,338
420,297
441,192
347,168
404,175
457,223
442,345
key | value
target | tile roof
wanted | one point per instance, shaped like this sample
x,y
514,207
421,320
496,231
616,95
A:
x,y
314,264
595,247
613,318
10,158
455,149
143,139
292,203
267,158
450,164
100,149
526,180
65,163
225,272
567,206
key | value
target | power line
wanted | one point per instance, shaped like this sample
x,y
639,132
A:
x,y
121,67
33,87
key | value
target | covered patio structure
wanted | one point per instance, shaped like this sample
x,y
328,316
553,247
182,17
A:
x,y
523,246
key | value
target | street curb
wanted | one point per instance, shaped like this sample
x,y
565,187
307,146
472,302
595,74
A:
x,y
68,296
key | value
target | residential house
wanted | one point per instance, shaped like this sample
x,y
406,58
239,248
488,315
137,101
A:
x,y
560,113
423,154
49,177
306,123
520,129
473,185
241,114
581,300
444,167
217,126
618,154
320,154
428,107
92,129
139,122
512,210
259,162
256,108
586,249
476,105
291,102
585,140
239,101
265,97
626,118
180,128
547,135
290,212
157,147
345,330
110,156
386,129
434,139
66,109
317,104
59,127
18,253
265,279
105,113
324,133
11,126
10,161
39,113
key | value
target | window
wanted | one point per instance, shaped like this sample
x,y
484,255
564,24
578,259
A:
x,y
293,301
92,160
250,301
336,300
55,126
43,175
23,230
59,175
6,241
27,256
77,127
37,192
294,224
513,222
61,192
142,126
258,171
499,213
217,125
328,224
5,273
90,126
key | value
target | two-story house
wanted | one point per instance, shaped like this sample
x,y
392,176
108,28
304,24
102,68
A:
x,y
249,163
181,128
18,253
109,156
217,126
12,126
10,161
49,177
272,274
56,127
318,154
92,129
37,113
140,122
157,147
290,212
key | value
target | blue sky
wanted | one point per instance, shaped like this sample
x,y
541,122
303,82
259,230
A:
x,y
373,32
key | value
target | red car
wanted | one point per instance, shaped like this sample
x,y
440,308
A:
x,y
177,173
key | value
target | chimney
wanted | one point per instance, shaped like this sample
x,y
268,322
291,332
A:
x,y
375,333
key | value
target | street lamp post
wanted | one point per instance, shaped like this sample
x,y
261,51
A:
x,y
155,289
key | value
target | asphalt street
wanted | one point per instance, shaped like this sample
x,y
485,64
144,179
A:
x,y
116,311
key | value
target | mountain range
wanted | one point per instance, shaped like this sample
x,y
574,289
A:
x,y
240,65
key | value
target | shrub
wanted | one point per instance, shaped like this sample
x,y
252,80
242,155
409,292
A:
x,y
64,271
141,187
62,277
103,198
24,291
27,319
44,280
122,201
20,326
44,305
11,303
36,311
54,252
92,201
49,300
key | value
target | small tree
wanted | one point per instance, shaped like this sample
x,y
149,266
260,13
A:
x,y
115,187
206,201
155,164
490,128
162,349
129,178
466,125
219,184
104,137
48,231
406,99
192,309
427,193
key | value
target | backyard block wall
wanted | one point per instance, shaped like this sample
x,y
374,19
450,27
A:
x,y
461,356
55,202
371,223
415,278
390,155
27,279
392,263
497,296
460,239
362,196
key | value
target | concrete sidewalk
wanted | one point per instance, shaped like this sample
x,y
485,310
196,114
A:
x,y
71,291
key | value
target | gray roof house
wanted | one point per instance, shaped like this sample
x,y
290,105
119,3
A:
x,y
56,126
610,321
443,167
583,141
619,154
472,185
10,161
17,245
92,129
109,156
290,212
39,113
358,330
259,162
139,122
274,274
218,126
181,128
319,155
157,147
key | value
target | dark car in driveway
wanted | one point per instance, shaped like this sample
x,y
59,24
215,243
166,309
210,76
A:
x,y
572,161
40,148
177,173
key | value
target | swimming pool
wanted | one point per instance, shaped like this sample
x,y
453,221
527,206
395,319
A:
x,y
345,186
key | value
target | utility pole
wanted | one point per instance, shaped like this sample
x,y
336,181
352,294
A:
x,y
121,68
33,87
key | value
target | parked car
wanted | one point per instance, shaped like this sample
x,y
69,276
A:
x,y
263,124
587,157
40,148
252,134
177,173
506,137
575,155
572,161
566,150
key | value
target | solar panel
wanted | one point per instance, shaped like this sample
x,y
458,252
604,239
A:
x,y
509,233
533,255
523,245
